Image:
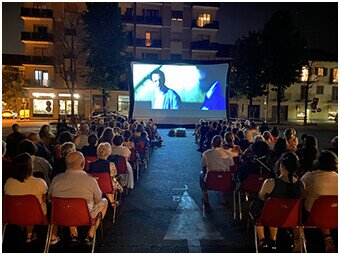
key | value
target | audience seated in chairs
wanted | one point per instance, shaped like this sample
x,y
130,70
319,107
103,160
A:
x,y
283,186
91,149
215,159
307,154
47,137
321,182
13,140
78,184
242,142
59,165
42,149
291,139
22,182
102,165
82,138
229,145
106,136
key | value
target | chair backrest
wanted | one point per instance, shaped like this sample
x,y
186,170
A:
x,y
279,212
218,180
70,212
254,182
120,163
23,210
91,158
235,167
140,147
324,213
133,156
104,182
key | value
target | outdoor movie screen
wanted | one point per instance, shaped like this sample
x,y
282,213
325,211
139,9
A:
x,y
179,90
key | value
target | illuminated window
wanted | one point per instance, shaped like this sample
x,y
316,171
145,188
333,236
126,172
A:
x,y
65,107
320,71
203,19
319,90
40,107
41,77
147,39
332,112
334,75
123,103
300,112
304,74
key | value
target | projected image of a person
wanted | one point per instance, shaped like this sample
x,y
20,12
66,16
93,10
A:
x,y
164,97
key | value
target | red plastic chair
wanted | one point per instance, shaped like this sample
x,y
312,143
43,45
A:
x,y
143,153
71,212
252,184
279,213
88,160
105,185
324,214
134,161
218,181
121,166
22,210
235,167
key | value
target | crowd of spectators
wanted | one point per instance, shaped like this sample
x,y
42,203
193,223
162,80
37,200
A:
x,y
47,164
296,168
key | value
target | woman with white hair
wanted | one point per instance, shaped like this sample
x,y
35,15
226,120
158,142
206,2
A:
x,y
102,165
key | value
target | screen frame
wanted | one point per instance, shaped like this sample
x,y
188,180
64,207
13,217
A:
x,y
176,62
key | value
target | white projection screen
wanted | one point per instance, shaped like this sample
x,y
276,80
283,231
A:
x,y
179,93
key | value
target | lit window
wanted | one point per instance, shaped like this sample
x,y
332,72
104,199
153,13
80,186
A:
x,y
41,77
42,107
203,19
332,112
335,75
304,74
147,39
123,103
66,107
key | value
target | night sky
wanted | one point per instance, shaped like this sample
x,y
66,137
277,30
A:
x,y
318,22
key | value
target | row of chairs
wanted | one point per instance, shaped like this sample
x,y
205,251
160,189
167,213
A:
x,y
26,210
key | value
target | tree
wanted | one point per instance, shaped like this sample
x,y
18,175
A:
x,y
284,51
68,48
247,70
12,88
105,42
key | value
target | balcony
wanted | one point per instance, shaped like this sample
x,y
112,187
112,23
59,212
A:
x,y
204,45
36,13
156,43
212,4
36,36
212,25
31,83
37,60
146,20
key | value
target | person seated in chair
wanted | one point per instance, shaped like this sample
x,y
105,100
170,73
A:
x,y
75,183
214,159
91,149
102,165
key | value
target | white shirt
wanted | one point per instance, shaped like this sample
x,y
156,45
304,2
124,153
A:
x,y
121,151
159,98
81,141
217,159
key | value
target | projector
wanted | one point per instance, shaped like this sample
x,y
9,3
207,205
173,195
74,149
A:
x,y
180,132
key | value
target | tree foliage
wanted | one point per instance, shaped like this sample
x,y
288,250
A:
x,y
105,42
285,53
12,84
247,75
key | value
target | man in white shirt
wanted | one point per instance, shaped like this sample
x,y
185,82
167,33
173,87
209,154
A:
x,y
215,159
82,139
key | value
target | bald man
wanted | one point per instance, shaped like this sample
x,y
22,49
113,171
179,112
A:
x,y
75,183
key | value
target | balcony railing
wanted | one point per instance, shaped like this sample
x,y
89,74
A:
x,y
36,36
204,45
156,43
36,13
38,83
143,20
37,60
211,25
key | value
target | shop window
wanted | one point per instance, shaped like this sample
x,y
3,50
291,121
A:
x,y
203,19
65,107
319,90
147,39
332,112
300,112
42,107
123,103
304,74
177,15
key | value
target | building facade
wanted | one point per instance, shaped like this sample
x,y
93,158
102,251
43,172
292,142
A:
x,y
164,31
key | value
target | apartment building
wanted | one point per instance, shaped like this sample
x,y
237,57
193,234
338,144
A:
x,y
163,31
323,91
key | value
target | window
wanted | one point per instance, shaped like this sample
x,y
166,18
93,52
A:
x,y
303,92
335,93
203,19
320,71
176,37
150,56
177,15
319,90
332,112
65,107
176,56
123,103
40,107
150,13
304,74
40,29
147,39
334,75
41,77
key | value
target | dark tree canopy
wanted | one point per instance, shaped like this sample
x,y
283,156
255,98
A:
x,y
105,43
12,88
247,76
